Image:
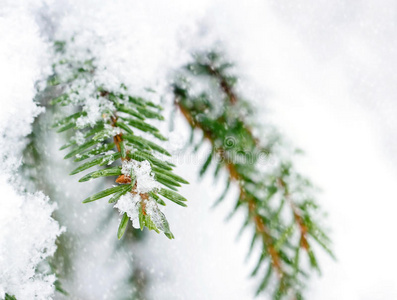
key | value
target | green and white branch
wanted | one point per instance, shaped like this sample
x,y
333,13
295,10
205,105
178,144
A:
x,y
109,125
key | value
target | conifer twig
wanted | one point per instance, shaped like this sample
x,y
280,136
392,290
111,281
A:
x,y
109,123
213,107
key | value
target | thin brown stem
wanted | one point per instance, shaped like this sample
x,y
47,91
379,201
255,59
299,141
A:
x,y
123,179
297,216
260,226
228,90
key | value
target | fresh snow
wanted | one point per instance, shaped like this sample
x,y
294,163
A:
x,y
145,183
142,172
27,230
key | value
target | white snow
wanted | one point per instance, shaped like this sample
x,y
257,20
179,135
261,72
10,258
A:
x,y
130,204
145,183
112,131
79,138
27,230
142,172
27,238
95,108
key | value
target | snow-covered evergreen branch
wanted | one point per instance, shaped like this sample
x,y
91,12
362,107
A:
x,y
278,200
105,121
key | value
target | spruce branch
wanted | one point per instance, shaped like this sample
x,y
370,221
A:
x,y
205,94
105,121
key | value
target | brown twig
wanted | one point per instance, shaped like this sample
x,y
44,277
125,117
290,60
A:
x,y
228,90
223,84
123,179
297,216
235,176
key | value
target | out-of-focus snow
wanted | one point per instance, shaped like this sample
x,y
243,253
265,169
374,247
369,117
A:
x,y
334,93
136,43
27,230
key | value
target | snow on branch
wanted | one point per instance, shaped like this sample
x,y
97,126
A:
x,y
115,127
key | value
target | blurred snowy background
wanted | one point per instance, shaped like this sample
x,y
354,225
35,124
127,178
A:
x,y
326,70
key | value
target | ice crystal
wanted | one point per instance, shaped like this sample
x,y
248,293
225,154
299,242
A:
x,y
142,172
131,205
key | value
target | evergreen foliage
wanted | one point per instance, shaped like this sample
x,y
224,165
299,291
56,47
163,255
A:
x,y
278,200
109,126
37,159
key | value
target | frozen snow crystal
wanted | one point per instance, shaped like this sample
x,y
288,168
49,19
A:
x,y
143,173
79,138
156,215
130,204
145,183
